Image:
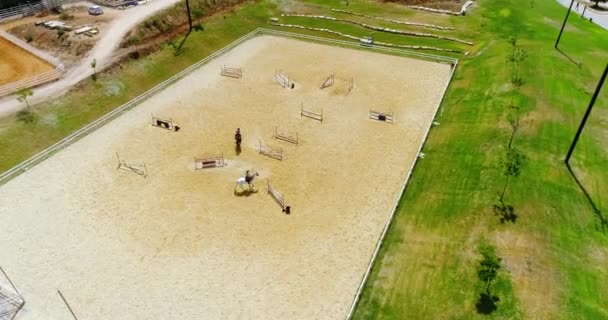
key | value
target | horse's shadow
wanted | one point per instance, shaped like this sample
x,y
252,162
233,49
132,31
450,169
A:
x,y
245,192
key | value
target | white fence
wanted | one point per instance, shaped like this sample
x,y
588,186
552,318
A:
x,y
21,11
4,177
37,79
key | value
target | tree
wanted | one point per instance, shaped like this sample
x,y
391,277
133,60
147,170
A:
x,y
94,65
487,271
23,94
511,164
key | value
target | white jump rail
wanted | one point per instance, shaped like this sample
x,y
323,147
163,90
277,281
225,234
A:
x,y
37,79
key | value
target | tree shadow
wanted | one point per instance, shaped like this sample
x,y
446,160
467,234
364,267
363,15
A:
x,y
603,220
486,303
25,116
578,64
506,212
245,193
180,49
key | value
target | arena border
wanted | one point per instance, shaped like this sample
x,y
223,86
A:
x,y
37,79
67,141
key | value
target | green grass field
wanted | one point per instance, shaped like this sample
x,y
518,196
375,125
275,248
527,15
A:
x,y
554,256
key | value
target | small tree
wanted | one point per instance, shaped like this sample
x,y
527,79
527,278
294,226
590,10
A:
x,y
23,94
94,65
487,271
511,164
488,265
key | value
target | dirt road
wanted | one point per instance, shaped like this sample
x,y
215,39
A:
x,y
102,52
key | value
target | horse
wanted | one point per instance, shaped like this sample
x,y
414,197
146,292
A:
x,y
243,180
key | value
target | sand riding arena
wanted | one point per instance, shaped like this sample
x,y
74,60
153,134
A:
x,y
142,218
23,66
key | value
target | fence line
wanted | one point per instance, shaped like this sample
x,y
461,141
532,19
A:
x,y
21,11
37,79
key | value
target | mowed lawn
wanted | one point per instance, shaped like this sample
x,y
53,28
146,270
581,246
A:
x,y
555,256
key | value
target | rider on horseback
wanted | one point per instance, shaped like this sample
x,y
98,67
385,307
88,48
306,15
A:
x,y
248,177
237,136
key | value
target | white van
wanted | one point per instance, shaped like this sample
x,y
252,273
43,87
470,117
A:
x,y
95,10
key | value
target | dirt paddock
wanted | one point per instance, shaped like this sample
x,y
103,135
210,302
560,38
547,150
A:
x,y
185,244
18,64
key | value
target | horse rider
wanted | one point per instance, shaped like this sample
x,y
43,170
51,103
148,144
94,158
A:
x,y
237,136
248,177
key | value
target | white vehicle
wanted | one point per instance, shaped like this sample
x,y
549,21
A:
x,y
95,10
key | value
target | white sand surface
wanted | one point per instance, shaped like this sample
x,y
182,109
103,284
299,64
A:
x,y
183,244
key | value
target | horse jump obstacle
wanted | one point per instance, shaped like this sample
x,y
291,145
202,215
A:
x,y
208,163
278,197
328,82
164,124
351,84
285,137
231,72
283,80
311,114
140,169
269,152
381,116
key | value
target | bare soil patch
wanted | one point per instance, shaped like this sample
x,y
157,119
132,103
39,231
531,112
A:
x,y
18,64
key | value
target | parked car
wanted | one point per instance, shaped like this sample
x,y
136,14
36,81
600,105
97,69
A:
x,y
95,10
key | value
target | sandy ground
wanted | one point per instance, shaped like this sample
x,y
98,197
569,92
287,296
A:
x,y
103,51
184,244
18,64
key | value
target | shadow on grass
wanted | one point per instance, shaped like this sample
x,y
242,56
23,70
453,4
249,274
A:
x,y
486,303
506,212
578,64
603,220
25,116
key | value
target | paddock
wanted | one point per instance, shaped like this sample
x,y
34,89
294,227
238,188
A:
x,y
18,64
186,243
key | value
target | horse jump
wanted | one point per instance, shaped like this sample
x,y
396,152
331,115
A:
x,y
208,163
286,137
381,116
140,169
231,72
328,82
350,86
311,114
164,124
269,152
278,197
283,80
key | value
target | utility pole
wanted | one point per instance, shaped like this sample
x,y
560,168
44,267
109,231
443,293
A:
x,y
189,16
564,24
582,125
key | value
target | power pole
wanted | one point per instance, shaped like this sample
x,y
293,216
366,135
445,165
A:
x,y
564,24
584,121
189,16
